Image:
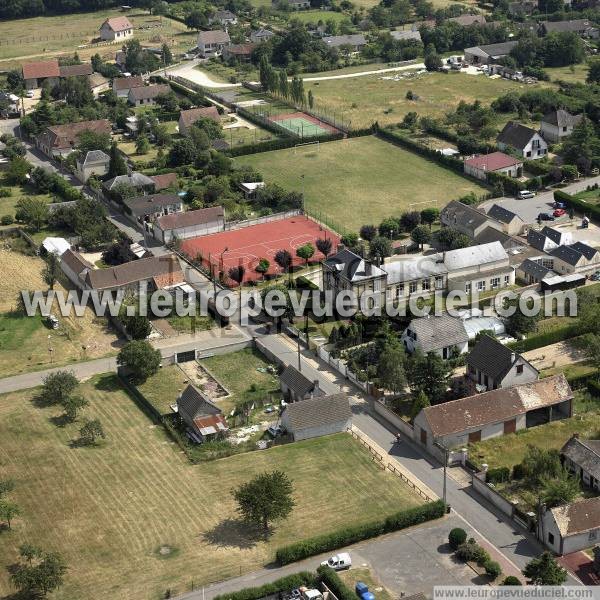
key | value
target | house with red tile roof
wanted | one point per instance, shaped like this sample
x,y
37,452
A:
x,y
164,181
116,29
495,162
37,73
60,140
188,117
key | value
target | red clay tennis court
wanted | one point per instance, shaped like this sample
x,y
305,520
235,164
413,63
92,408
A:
x,y
248,245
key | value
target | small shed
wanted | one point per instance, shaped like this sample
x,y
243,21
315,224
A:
x,y
315,417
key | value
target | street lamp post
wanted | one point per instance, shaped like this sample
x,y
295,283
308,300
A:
x,y
446,453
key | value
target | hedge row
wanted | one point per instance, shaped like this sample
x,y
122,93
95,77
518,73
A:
x,y
545,339
285,584
591,210
357,533
332,580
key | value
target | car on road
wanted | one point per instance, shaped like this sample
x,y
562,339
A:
x,y
595,276
546,217
338,562
525,194
559,212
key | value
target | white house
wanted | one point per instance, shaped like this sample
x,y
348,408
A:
x,y
211,43
223,18
524,141
558,124
571,527
116,29
443,334
576,258
95,162
495,162
491,365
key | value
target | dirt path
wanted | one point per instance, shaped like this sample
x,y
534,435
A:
x,y
556,355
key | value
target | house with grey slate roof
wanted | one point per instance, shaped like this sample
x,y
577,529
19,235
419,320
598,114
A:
x,y
575,258
512,224
316,417
487,54
295,386
491,365
204,419
558,124
443,334
523,141
548,238
582,458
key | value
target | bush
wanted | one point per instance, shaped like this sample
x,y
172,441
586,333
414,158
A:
x,y
332,580
357,533
511,580
457,537
7,220
492,568
518,471
593,388
481,556
5,192
280,585
498,475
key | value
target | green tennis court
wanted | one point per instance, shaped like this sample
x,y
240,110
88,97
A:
x,y
302,127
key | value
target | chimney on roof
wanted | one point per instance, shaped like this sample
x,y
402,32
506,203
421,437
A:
x,y
315,391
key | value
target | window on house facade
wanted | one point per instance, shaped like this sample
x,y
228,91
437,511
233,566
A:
x,y
481,286
506,279
519,369
495,282
439,283
550,538
412,288
468,287
426,284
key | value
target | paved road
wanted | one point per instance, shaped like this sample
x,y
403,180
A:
x,y
528,210
516,546
205,342
406,562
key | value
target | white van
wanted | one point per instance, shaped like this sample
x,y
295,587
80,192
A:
x,y
525,195
338,562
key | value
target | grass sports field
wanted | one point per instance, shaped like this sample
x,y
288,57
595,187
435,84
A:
x,y
361,180
110,510
370,98
50,36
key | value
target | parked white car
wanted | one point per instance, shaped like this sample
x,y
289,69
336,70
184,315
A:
x,y
525,195
339,562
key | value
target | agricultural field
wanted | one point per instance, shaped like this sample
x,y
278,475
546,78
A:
x,y
133,518
361,180
381,98
65,34
26,343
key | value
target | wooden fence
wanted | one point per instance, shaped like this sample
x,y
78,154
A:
x,y
380,460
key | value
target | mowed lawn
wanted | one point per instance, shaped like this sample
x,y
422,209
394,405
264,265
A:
x,y
363,100
110,509
361,180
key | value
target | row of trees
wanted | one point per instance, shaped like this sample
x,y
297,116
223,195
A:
x,y
276,82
